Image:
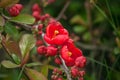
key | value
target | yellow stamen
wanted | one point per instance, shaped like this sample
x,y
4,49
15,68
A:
x,y
55,33
69,53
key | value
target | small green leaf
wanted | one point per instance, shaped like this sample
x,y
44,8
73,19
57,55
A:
x,y
26,43
16,58
79,29
2,21
9,64
7,3
11,30
1,29
23,18
34,75
99,18
116,50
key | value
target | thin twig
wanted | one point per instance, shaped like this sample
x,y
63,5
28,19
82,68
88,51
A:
x,y
20,74
65,68
25,26
63,10
94,47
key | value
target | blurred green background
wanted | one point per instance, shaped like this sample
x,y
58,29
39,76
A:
x,y
94,25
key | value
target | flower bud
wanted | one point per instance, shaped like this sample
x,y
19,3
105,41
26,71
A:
x,y
81,73
36,8
54,77
81,78
59,78
80,61
41,50
74,72
19,6
15,9
51,51
40,26
36,15
39,42
58,61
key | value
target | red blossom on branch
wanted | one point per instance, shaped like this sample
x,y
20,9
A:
x,y
56,34
69,53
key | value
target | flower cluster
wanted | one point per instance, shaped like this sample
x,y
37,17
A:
x,y
57,74
15,9
57,35
60,44
37,13
57,43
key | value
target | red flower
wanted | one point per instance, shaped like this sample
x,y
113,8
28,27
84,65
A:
x,y
69,53
56,34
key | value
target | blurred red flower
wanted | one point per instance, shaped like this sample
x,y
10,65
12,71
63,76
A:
x,y
69,53
56,34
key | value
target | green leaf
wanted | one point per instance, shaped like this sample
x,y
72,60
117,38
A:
x,y
7,3
9,64
33,64
87,36
44,70
2,21
77,19
23,18
99,18
12,46
34,75
26,43
11,30
79,29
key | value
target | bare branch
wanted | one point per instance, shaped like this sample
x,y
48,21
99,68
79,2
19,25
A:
x,y
63,10
65,68
94,47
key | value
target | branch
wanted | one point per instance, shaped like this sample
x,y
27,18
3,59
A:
x,y
25,26
65,68
63,10
94,47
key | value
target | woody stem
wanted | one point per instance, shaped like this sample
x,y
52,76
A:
x,y
65,68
